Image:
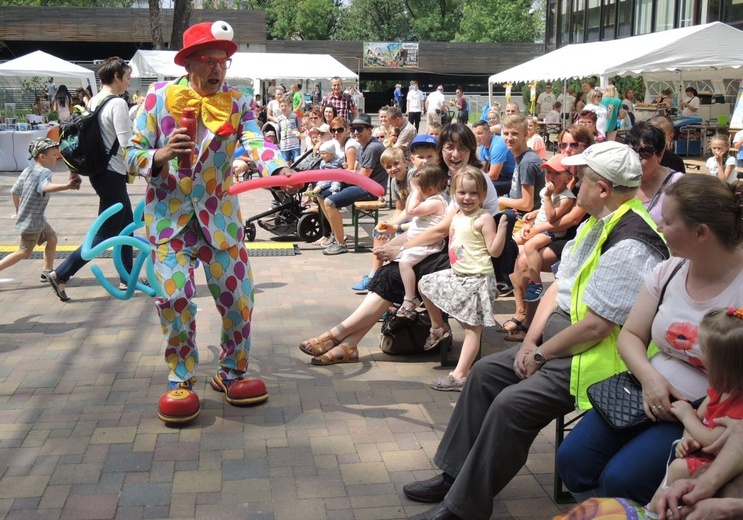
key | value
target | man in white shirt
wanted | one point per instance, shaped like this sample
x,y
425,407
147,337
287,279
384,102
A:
x,y
546,99
435,104
416,102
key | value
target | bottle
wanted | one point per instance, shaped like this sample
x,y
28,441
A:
x,y
188,121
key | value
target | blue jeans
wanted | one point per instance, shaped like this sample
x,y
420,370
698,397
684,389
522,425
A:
x,y
631,464
292,155
346,196
110,188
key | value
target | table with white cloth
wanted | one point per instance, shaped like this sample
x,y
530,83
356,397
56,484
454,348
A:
x,y
14,145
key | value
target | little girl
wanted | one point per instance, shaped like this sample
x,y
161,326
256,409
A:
x,y
557,201
721,164
720,337
427,206
467,290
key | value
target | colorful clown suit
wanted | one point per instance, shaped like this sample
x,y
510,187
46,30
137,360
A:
x,y
190,216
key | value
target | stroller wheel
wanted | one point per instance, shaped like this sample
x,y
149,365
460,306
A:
x,y
308,227
250,231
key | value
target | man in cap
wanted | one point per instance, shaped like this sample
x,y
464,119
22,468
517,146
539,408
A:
x,y
330,203
190,216
510,396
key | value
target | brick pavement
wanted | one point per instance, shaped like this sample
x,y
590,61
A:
x,y
79,383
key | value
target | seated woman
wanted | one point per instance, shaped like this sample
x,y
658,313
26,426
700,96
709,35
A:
x,y
571,141
703,227
456,149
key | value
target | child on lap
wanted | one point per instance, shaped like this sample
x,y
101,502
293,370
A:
x,y
557,201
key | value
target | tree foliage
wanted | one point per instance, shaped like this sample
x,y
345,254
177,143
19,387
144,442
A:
x,y
499,21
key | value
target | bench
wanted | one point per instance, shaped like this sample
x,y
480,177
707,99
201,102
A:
x,y
364,209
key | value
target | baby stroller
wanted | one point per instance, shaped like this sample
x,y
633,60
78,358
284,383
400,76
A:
x,y
288,216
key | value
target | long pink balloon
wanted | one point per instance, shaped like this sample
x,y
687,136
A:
x,y
300,178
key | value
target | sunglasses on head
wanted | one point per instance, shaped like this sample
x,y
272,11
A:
x,y
645,152
337,130
572,146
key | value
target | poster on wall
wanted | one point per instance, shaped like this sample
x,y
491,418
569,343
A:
x,y
390,55
736,122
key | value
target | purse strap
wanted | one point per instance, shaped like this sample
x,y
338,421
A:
x,y
665,285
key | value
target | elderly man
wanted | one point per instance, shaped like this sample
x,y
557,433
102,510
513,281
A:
x,y
406,131
435,105
343,102
190,217
510,396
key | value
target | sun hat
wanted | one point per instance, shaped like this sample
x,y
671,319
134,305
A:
x,y
614,161
42,144
324,128
207,35
555,163
423,139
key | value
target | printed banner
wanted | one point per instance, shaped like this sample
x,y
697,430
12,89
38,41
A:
x,y
390,55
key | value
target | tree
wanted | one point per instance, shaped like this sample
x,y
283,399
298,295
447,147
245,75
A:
x,y
301,19
499,21
181,21
156,24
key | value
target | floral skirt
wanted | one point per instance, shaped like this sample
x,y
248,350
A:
x,y
469,299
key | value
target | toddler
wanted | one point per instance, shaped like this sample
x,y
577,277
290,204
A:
x,y
30,198
289,131
720,338
557,201
467,290
329,162
721,164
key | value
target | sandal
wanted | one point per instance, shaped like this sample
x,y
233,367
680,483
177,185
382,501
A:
x,y
516,336
450,383
504,330
320,345
338,354
437,336
408,312
58,288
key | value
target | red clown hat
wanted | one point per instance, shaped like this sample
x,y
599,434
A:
x,y
207,35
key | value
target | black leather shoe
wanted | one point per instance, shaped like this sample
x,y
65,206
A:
x,y
432,490
440,512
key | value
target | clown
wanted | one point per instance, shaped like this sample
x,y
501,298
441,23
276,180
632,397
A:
x,y
190,216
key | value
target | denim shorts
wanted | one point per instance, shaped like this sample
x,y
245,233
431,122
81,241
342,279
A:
x,y
291,155
346,196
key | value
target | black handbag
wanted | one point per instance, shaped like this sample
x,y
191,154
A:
x,y
618,400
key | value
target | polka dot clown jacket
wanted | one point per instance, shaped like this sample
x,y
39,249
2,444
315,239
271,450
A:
x,y
177,195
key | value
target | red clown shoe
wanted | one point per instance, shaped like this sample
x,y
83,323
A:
x,y
179,404
241,392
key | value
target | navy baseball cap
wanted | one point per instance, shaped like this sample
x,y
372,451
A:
x,y
423,139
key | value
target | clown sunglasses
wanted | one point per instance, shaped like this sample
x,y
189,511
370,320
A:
x,y
211,63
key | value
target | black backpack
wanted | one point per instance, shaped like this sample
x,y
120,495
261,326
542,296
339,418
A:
x,y
81,143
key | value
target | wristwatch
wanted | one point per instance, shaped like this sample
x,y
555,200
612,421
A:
x,y
539,357
399,228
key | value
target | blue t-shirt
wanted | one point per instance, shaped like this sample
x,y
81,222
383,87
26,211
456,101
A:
x,y
499,153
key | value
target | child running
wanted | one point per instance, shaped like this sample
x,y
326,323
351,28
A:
x,y
30,200
427,206
720,337
557,201
467,290
721,164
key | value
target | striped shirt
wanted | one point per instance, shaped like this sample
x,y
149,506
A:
x,y
30,189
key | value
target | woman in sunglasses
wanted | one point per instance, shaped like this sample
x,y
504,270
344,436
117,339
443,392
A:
x,y
588,119
571,141
347,145
649,142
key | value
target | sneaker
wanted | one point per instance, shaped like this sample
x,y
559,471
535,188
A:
x,y
504,289
144,281
179,404
450,383
44,278
363,285
335,248
533,292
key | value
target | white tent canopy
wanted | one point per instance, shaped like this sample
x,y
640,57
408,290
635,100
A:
x,y
41,64
248,65
701,52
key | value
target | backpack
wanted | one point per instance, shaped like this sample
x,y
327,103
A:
x,y
81,143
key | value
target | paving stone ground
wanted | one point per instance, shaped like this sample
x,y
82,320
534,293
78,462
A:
x,y
79,384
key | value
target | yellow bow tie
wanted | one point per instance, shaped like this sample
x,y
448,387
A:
x,y
215,110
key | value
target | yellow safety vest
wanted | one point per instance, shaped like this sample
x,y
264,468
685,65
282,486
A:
x,y
602,360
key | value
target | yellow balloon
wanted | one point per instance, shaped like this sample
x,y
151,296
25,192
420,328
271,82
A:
x,y
227,208
190,362
186,185
216,269
174,205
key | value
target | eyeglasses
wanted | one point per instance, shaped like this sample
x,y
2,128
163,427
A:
x,y
211,63
450,149
357,129
645,152
337,130
573,146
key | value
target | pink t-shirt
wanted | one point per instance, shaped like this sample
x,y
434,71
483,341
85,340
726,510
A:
x,y
675,325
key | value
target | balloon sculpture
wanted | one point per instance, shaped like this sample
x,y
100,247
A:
x,y
125,238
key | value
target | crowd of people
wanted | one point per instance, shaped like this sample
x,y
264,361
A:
x,y
648,267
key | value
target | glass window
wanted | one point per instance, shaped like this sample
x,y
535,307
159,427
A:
x,y
710,11
594,20
610,13
565,22
579,17
733,10
643,16
686,13
551,23
624,27
664,15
